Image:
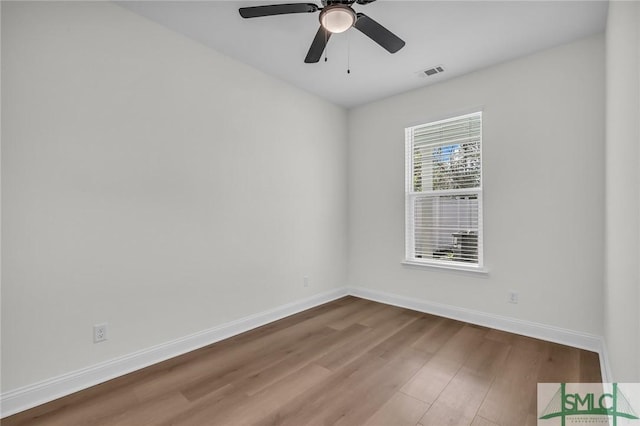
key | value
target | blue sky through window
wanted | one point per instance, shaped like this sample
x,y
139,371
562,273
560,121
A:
x,y
443,154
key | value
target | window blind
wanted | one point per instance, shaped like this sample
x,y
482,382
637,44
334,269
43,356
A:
x,y
444,191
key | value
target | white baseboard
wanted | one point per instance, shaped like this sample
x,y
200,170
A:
x,y
546,332
21,399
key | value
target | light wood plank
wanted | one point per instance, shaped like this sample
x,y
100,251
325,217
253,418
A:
x,y
310,406
590,367
488,358
248,410
479,421
94,411
356,316
400,410
431,379
444,330
394,321
238,369
514,390
404,337
299,358
368,396
152,412
559,362
459,402
462,344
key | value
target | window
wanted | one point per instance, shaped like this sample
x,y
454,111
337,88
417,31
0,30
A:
x,y
444,192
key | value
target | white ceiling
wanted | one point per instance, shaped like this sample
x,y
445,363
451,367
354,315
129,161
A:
x,y
462,36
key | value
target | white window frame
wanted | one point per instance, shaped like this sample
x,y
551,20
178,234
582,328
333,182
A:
x,y
411,197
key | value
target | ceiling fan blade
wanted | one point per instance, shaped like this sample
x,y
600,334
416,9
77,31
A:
x,y
378,33
277,9
364,1
317,46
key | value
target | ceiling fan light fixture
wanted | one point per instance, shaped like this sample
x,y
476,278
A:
x,y
337,19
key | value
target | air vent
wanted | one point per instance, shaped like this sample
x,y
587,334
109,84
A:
x,y
433,71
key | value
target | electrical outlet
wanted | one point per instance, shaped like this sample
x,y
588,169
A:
x,y
513,297
99,333
305,281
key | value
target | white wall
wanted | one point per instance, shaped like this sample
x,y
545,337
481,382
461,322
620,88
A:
x,y
543,148
152,183
622,284
0,205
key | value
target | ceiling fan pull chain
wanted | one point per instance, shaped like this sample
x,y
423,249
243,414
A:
x,y
326,47
348,54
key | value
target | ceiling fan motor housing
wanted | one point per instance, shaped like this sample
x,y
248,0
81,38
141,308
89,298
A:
x,y
337,18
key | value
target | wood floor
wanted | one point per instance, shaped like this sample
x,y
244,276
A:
x,y
349,362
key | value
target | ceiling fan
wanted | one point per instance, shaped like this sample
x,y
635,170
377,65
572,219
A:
x,y
336,16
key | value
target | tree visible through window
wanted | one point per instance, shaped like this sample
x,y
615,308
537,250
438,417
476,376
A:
x,y
444,191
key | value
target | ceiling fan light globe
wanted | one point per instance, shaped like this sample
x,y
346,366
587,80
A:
x,y
337,19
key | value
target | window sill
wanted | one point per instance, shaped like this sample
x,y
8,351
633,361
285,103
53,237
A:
x,y
425,265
